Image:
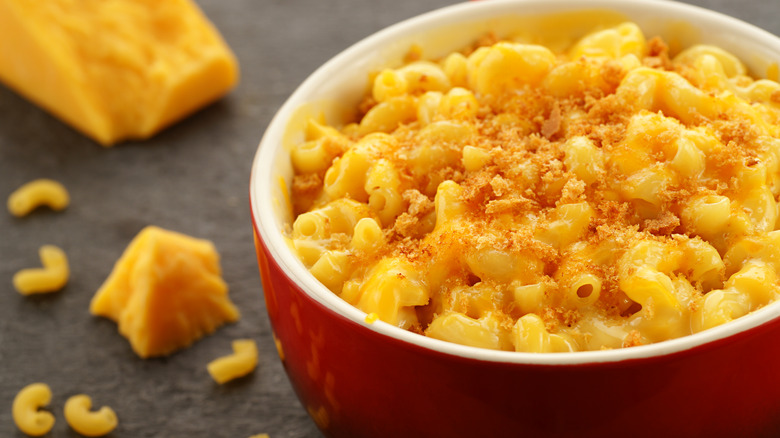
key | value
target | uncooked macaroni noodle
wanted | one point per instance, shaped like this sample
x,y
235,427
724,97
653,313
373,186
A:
x,y
26,409
86,422
242,362
509,197
50,278
36,193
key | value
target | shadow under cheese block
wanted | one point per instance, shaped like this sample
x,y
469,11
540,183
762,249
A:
x,y
115,70
165,292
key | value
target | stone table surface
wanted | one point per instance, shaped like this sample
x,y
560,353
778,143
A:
x,y
192,178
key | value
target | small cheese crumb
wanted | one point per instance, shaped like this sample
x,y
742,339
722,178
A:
x,y
371,318
279,348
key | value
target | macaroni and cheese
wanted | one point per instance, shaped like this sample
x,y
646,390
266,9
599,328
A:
x,y
511,197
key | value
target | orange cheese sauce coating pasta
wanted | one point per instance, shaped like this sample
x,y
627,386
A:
x,y
515,198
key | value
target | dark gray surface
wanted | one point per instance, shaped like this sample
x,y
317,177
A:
x,y
191,178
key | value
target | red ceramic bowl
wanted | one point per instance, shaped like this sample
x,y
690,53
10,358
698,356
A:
x,y
375,380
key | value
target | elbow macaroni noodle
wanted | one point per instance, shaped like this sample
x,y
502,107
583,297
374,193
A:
x,y
27,416
513,198
86,422
50,278
35,422
35,193
242,362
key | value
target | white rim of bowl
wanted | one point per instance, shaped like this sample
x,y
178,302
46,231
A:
x,y
263,178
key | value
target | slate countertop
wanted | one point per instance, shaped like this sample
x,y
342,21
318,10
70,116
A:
x,y
192,178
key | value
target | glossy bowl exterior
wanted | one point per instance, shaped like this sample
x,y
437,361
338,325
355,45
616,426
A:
x,y
372,380
356,382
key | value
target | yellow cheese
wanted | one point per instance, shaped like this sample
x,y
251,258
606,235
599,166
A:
x,y
165,292
115,70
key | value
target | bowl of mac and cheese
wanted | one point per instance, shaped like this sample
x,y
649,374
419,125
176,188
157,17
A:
x,y
531,217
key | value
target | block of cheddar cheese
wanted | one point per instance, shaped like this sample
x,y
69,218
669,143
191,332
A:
x,y
165,292
114,70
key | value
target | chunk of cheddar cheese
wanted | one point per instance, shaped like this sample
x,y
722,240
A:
x,y
114,69
165,292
